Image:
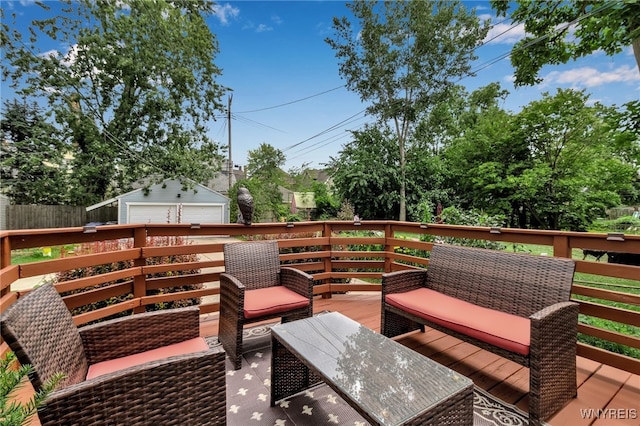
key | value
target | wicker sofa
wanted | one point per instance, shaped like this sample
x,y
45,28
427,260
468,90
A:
x,y
149,368
515,305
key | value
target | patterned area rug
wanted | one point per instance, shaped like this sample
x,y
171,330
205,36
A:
x,y
249,393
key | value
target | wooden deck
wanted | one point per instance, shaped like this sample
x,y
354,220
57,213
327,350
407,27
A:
x,y
606,395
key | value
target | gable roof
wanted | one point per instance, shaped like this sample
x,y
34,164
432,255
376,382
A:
x,y
152,187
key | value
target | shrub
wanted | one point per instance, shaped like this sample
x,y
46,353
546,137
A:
x,y
13,413
115,245
453,216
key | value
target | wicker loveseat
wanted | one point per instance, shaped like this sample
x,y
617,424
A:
x,y
515,305
144,369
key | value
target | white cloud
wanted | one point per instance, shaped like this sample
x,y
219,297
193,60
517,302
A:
x,y
591,77
225,12
263,28
503,33
276,19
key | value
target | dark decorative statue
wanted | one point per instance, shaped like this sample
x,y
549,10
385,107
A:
x,y
245,205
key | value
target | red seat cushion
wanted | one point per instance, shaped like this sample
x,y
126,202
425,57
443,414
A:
x,y
500,329
197,344
271,301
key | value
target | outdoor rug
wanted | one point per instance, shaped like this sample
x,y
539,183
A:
x,y
249,393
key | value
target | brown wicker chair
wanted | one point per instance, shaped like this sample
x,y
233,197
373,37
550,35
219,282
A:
x,y
255,288
186,388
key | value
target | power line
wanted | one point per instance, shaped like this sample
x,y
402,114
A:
x,y
293,102
250,121
324,131
539,39
331,139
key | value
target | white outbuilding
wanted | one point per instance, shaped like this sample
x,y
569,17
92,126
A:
x,y
170,202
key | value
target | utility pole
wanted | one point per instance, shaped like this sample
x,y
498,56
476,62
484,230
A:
x,y
230,165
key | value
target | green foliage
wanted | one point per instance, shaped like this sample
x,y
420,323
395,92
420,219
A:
x,y
264,163
402,58
136,89
572,174
13,413
626,224
265,176
327,204
606,344
366,174
32,168
551,166
607,26
454,216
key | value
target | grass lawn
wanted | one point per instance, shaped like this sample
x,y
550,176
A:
x,y
37,254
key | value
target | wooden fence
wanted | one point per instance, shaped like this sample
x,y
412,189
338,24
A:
x,y
49,216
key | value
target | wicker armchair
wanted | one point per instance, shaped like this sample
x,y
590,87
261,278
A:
x,y
255,288
150,368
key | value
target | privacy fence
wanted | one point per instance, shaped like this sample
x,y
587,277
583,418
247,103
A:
x,y
49,216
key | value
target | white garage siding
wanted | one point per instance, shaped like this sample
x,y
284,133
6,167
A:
x,y
174,213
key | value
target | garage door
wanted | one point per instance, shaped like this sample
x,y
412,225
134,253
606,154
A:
x,y
198,213
175,213
152,213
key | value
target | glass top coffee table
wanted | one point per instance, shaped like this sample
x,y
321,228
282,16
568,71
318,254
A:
x,y
384,381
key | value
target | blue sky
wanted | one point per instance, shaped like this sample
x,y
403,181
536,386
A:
x,y
287,91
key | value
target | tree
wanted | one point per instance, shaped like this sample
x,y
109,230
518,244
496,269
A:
x,y
574,173
599,25
265,176
626,143
558,164
404,60
134,92
445,135
32,167
366,173
326,203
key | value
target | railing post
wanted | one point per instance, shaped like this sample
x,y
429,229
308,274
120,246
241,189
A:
x,y
5,260
388,248
561,246
140,281
328,267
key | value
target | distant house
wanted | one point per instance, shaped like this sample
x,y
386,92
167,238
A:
x,y
221,181
170,202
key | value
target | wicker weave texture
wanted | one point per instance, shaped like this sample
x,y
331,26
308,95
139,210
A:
x,y
496,279
538,288
116,338
41,332
255,264
185,389
249,266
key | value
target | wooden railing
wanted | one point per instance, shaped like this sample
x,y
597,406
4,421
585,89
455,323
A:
x,y
327,250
